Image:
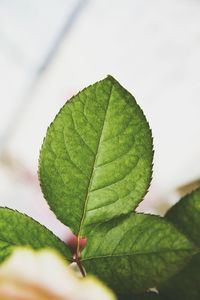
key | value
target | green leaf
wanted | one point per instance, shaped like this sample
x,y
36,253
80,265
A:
x,y
17,229
135,252
186,216
96,159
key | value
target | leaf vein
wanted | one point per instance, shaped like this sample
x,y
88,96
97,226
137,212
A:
x,y
94,162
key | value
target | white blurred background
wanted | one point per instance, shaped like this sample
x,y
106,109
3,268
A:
x,y
51,49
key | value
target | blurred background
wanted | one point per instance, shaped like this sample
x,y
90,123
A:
x,y
51,49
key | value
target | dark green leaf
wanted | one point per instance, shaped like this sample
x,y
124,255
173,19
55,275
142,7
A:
x,y
186,216
17,229
96,159
135,252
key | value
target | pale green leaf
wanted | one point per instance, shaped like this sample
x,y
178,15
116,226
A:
x,y
186,216
17,229
135,252
96,159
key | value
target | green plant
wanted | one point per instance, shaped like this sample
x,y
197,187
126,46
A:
x,y
95,168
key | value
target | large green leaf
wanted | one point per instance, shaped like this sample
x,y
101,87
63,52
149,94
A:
x,y
17,229
96,159
186,216
135,252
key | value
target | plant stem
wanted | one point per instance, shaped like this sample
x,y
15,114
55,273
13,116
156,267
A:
x,y
78,262
81,268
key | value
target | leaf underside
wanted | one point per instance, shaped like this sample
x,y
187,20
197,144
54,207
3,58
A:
x,y
17,229
136,252
185,215
96,159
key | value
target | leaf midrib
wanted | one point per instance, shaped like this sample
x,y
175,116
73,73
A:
x,y
93,167
138,253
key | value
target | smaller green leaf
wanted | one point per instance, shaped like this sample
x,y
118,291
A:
x,y
135,252
17,229
185,215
